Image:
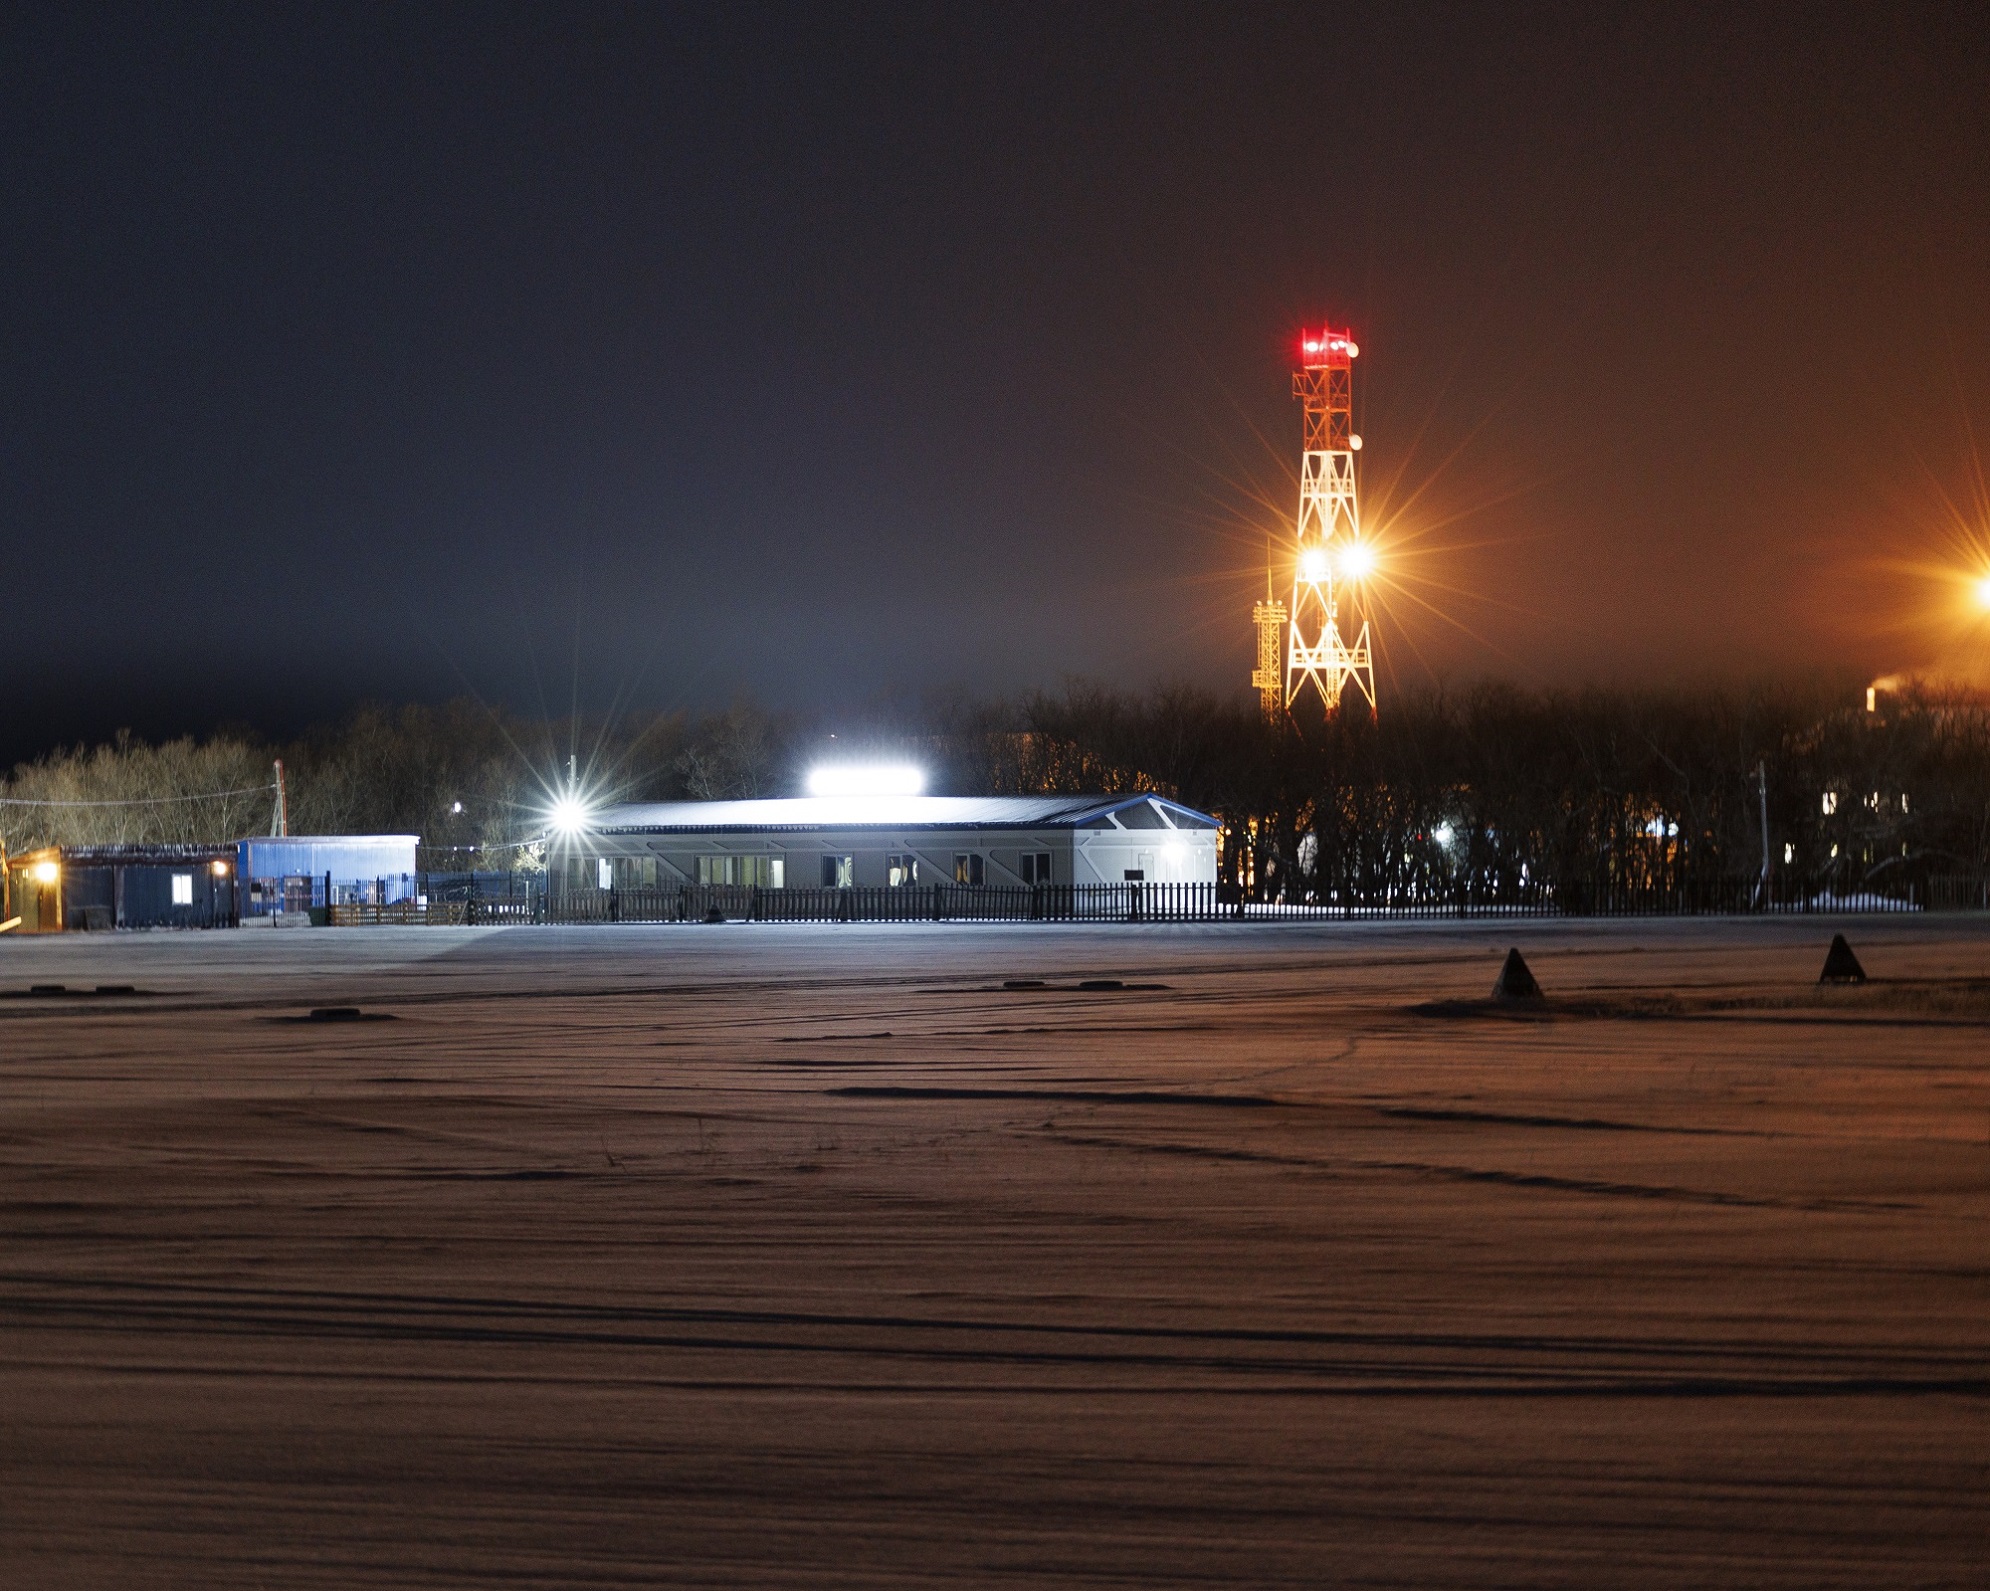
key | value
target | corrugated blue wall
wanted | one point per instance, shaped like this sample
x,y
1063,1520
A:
x,y
349,858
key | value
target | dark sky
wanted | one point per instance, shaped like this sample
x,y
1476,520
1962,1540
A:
x,y
826,351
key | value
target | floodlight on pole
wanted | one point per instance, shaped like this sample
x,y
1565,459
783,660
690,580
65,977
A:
x,y
864,779
569,813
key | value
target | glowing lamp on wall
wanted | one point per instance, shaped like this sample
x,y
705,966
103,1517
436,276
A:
x,y
569,814
45,872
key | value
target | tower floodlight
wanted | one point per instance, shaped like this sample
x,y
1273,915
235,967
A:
x,y
1330,560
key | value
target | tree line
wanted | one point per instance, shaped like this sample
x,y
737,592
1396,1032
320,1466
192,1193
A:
x,y
1489,788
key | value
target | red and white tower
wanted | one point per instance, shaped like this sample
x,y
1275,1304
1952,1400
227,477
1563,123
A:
x,y
1330,559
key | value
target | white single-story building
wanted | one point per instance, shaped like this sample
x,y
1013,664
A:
x,y
818,842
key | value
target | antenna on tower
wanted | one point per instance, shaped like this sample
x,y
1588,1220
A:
x,y
1330,560
1268,677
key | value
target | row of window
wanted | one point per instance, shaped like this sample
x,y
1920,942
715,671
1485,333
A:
x,y
838,872
1873,802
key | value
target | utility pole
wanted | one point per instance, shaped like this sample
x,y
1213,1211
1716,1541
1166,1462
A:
x,y
279,822
1762,794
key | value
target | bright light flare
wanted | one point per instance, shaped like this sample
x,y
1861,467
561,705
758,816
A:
x,y
1313,564
1357,560
46,872
855,779
1981,591
569,813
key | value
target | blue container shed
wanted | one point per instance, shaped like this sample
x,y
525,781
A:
x,y
294,873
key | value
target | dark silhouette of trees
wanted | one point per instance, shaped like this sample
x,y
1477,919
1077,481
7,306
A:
x,y
1481,794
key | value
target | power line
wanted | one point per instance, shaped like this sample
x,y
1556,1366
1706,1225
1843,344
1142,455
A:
x,y
144,801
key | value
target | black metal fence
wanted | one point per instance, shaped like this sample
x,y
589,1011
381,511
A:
x,y
915,903
462,899
1156,902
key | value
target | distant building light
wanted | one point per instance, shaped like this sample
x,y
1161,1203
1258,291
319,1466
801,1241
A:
x,y
1830,802
864,779
1443,834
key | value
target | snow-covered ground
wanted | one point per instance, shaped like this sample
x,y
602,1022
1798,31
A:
x,y
749,1255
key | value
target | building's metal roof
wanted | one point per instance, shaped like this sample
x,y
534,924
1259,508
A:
x,y
131,854
876,812
331,839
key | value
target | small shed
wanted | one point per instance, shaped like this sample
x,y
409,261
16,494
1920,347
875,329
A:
x,y
294,873
66,888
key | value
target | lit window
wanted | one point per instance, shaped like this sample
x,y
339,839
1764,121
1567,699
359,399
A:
x,y
969,868
762,872
839,872
1035,867
901,872
604,873
183,889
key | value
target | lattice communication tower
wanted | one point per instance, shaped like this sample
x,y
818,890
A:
x,y
1269,675
1330,560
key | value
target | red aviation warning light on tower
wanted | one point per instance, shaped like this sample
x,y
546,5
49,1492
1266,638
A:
x,y
1330,559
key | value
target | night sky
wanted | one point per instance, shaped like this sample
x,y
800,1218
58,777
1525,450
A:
x,y
826,352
